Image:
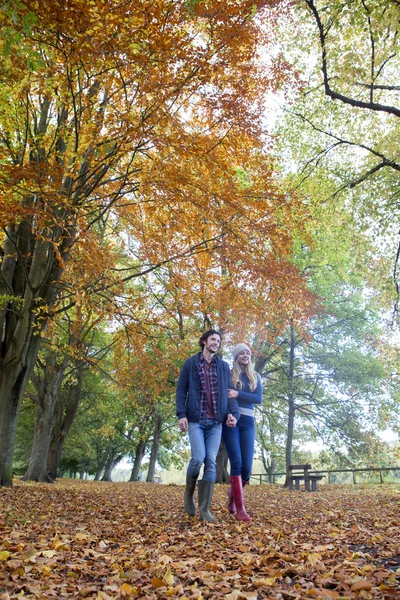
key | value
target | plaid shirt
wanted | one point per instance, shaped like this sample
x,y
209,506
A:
x,y
208,389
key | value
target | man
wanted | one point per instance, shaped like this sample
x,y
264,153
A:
x,y
201,406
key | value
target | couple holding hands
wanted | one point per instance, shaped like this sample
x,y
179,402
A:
x,y
214,401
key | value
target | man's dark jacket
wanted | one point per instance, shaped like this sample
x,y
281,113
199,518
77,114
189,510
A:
x,y
188,391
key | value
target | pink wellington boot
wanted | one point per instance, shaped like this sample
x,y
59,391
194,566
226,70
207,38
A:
x,y
237,493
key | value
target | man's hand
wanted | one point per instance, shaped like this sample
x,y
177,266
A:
x,y
231,421
233,393
183,424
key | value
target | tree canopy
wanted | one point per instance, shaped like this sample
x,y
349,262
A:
x,y
145,197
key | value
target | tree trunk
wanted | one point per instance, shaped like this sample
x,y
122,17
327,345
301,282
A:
x,y
269,464
29,273
110,465
48,394
154,449
271,470
291,406
108,470
64,416
37,468
99,472
13,382
140,452
222,465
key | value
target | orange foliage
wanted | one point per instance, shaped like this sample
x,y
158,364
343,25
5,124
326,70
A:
x,y
138,118
133,144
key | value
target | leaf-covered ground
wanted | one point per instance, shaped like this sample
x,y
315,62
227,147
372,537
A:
x,y
79,539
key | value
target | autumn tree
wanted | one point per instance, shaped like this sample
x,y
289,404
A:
x,y
145,368
134,117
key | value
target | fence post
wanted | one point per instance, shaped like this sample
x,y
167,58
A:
x,y
354,477
329,477
381,475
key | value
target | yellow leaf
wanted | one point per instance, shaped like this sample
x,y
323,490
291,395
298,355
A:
x,y
314,558
174,591
4,555
127,590
168,577
267,581
60,546
49,553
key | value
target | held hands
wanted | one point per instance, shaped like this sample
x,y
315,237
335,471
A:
x,y
233,393
183,424
231,421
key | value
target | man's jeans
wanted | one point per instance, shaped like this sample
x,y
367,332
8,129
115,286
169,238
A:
x,y
205,439
239,444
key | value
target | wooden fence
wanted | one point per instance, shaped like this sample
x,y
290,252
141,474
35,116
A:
x,y
267,478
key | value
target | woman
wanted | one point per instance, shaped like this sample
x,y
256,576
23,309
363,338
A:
x,y
239,441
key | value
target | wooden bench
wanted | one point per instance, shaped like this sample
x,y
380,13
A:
x,y
313,478
298,473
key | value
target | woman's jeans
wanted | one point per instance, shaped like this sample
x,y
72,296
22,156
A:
x,y
239,444
205,439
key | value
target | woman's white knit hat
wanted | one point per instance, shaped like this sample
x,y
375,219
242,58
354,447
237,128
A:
x,y
239,348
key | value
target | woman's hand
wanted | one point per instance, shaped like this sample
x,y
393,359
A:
x,y
233,393
231,421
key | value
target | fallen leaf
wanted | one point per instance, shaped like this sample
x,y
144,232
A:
x,y
158,582
168,577
266,582
362,584
48,553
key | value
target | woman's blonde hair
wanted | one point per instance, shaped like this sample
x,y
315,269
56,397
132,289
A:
x,y
250,372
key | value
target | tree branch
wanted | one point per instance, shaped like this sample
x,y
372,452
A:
x,y
324,67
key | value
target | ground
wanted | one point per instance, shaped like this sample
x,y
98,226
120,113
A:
x,y
78,539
